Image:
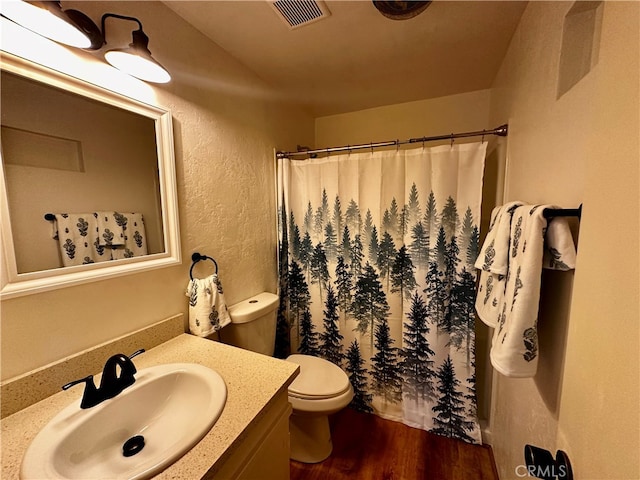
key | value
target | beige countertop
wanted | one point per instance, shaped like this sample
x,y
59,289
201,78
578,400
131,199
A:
x,y
252,380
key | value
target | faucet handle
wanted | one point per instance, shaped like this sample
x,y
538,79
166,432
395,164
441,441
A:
x,y
136,353
91,397
88,379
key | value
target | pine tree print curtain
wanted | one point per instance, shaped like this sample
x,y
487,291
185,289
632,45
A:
x,y
376,275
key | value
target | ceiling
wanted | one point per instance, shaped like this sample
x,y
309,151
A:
x,y
357,58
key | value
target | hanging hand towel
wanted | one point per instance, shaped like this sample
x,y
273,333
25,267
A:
x,y
207,309
135,237
78,240
493,262
559,250
514,348
110,231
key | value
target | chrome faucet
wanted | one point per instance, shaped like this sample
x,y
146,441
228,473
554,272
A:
x,y
113,381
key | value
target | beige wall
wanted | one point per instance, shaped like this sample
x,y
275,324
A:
x,y
579,148
436,116
226,125
601,380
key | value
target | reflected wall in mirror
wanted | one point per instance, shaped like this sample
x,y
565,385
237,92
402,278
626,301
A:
x,y
73,148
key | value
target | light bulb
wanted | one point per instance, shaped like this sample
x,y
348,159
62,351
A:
x,y
138,66
43,22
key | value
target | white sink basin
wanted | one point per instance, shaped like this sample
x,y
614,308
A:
x,y
172,406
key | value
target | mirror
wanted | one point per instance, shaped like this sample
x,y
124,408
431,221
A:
x,y
77,154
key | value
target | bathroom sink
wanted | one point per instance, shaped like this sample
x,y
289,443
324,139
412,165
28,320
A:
x,y
154,422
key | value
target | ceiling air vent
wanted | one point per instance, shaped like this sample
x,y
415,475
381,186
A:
x,y
297,13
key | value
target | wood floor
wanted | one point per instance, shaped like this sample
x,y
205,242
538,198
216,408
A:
x,y
367,447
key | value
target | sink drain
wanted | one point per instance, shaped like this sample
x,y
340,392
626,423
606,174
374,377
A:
x,y
133,445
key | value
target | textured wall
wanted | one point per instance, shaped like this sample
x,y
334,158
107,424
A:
x,y
226,125
434,116
545,164
584,398
601,380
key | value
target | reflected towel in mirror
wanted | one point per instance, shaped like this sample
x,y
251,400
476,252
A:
x,y
77,235
110,228
135,237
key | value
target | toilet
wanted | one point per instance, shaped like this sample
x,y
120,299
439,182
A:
x,y
320,389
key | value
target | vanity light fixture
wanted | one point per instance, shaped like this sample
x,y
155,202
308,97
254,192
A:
x,y
74,28
47,18
136,60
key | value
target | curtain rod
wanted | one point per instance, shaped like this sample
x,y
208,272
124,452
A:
x,y
500,131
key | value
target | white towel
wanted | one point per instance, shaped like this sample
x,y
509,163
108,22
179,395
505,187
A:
x,y
135,237
493,262
559,250
514,348
110,231
207,309
78,239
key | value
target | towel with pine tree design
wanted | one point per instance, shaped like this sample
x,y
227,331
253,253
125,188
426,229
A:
x,y
514,346
208,311
493,263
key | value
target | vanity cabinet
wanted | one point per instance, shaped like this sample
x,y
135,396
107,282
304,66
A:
x,y
263,452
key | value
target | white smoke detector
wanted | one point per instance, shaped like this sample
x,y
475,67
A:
x,y
297,13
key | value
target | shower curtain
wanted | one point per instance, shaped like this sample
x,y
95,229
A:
x,y
376,262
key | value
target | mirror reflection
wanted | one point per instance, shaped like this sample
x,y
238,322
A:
x,y
95,163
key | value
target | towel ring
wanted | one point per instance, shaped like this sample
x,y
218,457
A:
x,y
196,257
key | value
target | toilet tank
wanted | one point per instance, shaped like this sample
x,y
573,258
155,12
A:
x,y
253,324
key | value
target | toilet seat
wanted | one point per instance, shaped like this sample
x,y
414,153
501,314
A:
x,y
319,379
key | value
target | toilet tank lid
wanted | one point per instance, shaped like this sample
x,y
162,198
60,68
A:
x,y
254,307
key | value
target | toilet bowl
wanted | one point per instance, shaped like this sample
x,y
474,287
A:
x,y
320,389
